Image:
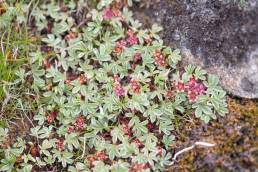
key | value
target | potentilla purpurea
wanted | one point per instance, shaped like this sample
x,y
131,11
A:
x,y
102,156
70,129
150,126
159,58
71,35
137,57
139,167
131,38
135,86
179,86
82,78
159,150
120,45
79,123
90,160
118,89
105,92
192,88
46,64
108,13
137,142
127,130
60,145
51,116
169,94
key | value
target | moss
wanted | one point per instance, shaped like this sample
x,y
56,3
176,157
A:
x,y
235,137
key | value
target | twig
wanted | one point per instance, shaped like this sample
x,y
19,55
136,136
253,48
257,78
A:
x,y
205,144
84,147
2,44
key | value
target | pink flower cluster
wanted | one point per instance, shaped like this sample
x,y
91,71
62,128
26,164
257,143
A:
x,y
169,94
120,45
159,58
100,156
137,142
135,86
79,123
150,126
109,13
118,89
126,129
131,38
60,145
70,129
193,88
51,116
139,167
137,57
83,79
159,150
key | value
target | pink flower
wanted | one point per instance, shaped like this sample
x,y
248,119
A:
x,y
118,89
51,116
169,94
101,156
139,167
70,130
137,57
116,80
131,38
191,96
179,86
83,79
79,123
159,58
193,88
120,45
137,142
150,126
135,86
127,130
192,82
108,13
60,145
159,150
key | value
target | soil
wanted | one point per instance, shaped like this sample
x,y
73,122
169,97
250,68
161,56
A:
x,y
218,35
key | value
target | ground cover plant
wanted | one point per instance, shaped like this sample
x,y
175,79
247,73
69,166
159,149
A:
x,y
107,93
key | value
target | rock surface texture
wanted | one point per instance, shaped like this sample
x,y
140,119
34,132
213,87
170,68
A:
x,y
218,35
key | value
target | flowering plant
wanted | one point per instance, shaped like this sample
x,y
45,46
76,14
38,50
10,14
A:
x,y
108,93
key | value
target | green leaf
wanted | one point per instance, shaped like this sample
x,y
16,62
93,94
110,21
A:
x,y
213,80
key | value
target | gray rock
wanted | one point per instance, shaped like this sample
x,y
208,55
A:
x,y
220,36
